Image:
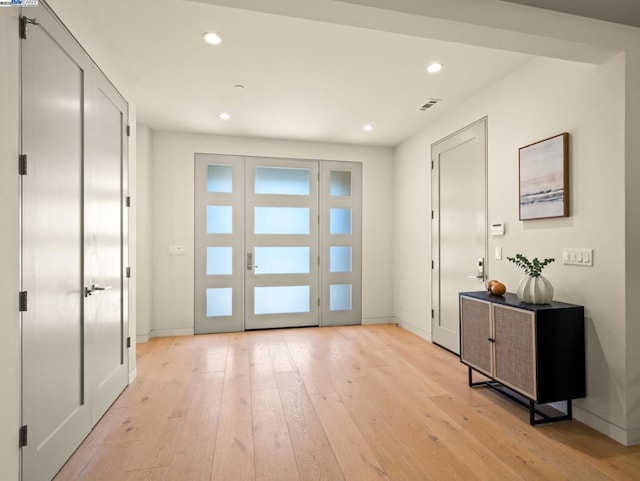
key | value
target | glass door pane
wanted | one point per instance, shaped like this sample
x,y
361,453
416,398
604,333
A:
x,y
281,267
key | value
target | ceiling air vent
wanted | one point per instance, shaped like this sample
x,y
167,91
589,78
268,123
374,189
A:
x,y
429,104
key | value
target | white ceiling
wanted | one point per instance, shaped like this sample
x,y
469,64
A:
x,y
303,79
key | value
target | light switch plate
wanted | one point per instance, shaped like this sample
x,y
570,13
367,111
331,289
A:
x,y
577,256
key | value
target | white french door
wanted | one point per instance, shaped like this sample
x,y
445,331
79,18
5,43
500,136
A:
x,y
266,257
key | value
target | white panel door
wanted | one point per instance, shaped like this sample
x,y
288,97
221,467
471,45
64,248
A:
x,y
55,395
281,236
105,225
459,231
74,245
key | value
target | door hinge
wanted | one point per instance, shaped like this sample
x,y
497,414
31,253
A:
x,y
23,436
127,272
22,301
432,214
22,164
432,164
128,131
318,302
432,264
433,314
318,218
128,341
127,201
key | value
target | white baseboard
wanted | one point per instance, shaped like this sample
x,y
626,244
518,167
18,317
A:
x,y
377,320
626,437
171,332
418,331
133,374
143,338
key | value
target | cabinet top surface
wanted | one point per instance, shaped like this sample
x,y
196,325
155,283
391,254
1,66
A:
x,y
510,299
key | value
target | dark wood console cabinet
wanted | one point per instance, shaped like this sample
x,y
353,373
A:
x,y
537,351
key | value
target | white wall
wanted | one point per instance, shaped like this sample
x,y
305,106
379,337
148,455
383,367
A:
x,y
142,203
172,218
9,287
543,98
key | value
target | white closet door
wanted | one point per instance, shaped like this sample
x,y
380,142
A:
x,y
105,243
281,254
74,245
55,396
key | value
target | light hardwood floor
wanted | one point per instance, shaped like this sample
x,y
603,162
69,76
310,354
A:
x,y
333,404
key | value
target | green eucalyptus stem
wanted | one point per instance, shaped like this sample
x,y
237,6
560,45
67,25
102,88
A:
x,y
531,268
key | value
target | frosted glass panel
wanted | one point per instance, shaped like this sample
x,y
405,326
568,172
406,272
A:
x,y
219,261
219,178
279,180
339,259
282,220
281,300
340,297
340,221
219,219
340,183
219,302
282,260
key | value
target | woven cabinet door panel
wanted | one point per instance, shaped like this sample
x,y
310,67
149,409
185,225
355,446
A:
x,y
475,330
515,349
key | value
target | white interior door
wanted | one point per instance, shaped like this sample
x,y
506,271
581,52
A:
x,y
55,396
74,361
459,226
281,238
105,182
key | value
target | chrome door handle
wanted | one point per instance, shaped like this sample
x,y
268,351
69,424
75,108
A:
x,y
250,261
94,288
480,274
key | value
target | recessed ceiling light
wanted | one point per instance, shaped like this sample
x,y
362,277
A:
x,y
238,87
225,116
212,38
434,67
367,127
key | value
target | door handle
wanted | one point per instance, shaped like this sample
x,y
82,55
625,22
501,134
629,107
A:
x,y
94,289
480,274
250,261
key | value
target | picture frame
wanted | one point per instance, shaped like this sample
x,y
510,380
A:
x,y
544,178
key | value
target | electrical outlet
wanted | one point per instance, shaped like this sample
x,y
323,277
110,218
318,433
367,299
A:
x,y
177,250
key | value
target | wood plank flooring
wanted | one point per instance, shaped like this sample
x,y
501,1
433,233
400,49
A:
x,y
334,404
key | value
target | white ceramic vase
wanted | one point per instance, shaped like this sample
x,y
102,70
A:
x,y
535,290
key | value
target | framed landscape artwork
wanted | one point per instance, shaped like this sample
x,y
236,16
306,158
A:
x,y
544,178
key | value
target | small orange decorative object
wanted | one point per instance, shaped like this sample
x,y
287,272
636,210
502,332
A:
x,y
498,288
490,283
